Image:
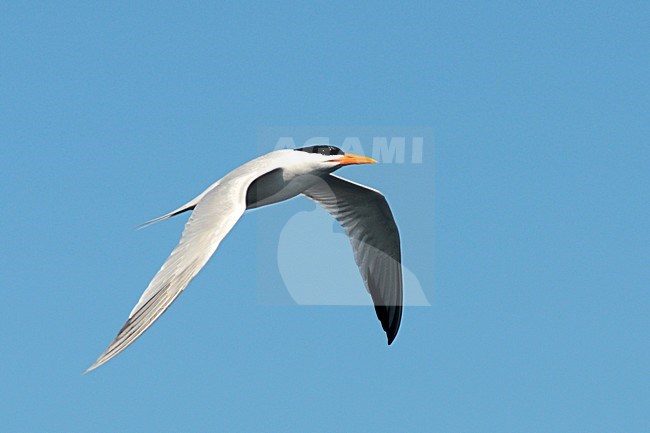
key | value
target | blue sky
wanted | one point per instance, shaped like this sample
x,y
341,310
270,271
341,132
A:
x,y
533,248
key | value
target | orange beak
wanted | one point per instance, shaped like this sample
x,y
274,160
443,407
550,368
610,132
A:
x,y
350,158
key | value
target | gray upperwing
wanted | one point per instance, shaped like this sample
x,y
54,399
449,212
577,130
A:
x,y
368,221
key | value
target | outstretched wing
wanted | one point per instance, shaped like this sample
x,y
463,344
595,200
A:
x,y
367,219
214,216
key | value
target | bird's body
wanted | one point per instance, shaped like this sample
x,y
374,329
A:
x,y
268,179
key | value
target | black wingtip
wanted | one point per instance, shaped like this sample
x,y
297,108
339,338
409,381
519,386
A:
x,y
391,332
391,338
389,322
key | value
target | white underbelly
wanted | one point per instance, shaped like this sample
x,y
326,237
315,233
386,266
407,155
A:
x,y
276,186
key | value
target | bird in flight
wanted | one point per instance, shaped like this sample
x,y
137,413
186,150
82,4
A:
x,y
277,176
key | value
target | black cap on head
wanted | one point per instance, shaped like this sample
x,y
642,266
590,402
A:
x,y
323,150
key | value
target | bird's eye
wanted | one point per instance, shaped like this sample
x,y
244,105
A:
x,y
323,150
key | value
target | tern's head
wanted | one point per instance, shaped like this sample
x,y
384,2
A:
x,y
332,158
